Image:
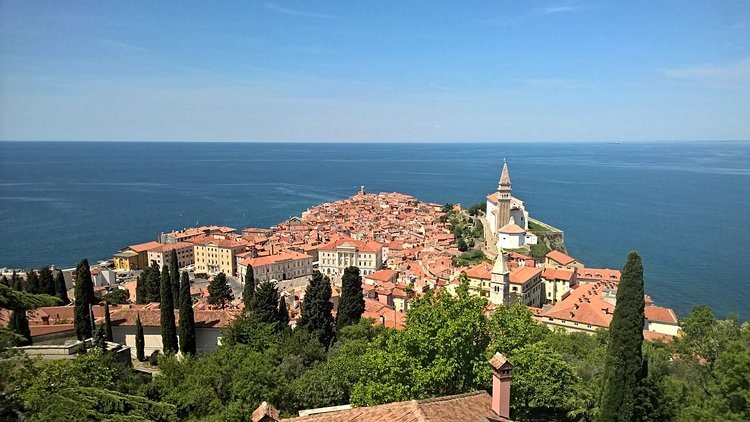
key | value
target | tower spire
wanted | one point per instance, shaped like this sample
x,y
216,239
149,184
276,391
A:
x,y
504,176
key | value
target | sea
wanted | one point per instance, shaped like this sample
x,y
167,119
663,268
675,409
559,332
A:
x,y
683,206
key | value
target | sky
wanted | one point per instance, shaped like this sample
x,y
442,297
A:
x,y
392,71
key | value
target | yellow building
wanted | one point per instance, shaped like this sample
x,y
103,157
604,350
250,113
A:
x,y
479,277
134,257
213,256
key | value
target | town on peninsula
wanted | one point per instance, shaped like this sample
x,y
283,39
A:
x,y
340,288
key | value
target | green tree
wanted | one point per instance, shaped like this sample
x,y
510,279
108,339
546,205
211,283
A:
x,y
148,287
84,299
542,381
283,315
352,301
168,328
187,320
19,324
107,323
239,377
32,280
4,281
624,360
249,289
219,291
513,327
174,273
441,351
140,342
15,282
61,291
250,331
265,303
316,316
46,281
116,296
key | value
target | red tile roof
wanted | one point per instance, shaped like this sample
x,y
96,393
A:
x,y
476,406
272,259
560,257
142,247
523,274
659,314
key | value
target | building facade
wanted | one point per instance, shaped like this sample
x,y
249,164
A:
x,y
284,266
162,254
213,256
134,257
336,255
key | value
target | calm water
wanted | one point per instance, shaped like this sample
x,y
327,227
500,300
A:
x,y
684,206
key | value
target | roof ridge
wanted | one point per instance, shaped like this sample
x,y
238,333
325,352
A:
x,y
451,397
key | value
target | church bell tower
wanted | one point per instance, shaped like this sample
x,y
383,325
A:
x,y
503,199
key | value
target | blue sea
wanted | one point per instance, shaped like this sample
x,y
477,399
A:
x,y
683,206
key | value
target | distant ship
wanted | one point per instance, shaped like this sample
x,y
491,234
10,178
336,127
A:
x,y
614,143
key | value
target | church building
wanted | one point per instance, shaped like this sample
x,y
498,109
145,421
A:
x,y
507,216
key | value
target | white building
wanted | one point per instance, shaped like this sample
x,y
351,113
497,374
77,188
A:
x,y
343,252
500,280
501,205
283,266
208,327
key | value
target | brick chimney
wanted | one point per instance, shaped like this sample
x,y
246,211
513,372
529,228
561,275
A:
x,y
502,373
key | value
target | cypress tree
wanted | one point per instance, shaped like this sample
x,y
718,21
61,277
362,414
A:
x,y
107,323
283,315
249,289
19,324
60,290
316,315
174,273
84,297
168,328
624,360
265,304
139,341
4,281
154,283
46,281
148,286
219,291
32,281
15,282
187,320
352,301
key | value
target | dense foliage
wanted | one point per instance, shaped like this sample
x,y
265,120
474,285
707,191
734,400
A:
x,y
249,288
443,349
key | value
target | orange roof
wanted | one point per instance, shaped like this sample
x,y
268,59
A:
x,y
606,274
475,406
560,257
558,274
523,274
382,275
360,245
222,243
585,305
493,197
166,247
482,271
659,314
273,259
142,247
127,316
512,229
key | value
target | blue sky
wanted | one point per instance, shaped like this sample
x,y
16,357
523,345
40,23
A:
x,y
375,70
